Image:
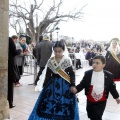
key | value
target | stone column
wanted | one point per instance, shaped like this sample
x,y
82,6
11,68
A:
x,y
4,33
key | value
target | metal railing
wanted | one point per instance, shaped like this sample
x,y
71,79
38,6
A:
x,y
29,66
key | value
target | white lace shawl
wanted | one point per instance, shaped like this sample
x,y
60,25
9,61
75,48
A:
x,y
65,62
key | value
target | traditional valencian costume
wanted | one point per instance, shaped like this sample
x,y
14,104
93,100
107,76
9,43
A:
x,y
113,63
97,87
56,102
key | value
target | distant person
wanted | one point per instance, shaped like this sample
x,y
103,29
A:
x,y
20,60
56,102
90,55
98,83
77,56
17,73
71,55
43,53
11,72
113,59
34,49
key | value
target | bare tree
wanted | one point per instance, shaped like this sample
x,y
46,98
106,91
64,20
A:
x,y
47,19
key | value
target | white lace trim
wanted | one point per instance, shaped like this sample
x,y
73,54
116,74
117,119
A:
x,y
95,96
65,62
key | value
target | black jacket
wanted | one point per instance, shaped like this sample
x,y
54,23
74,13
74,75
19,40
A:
x,y
43,52
109,85
11,56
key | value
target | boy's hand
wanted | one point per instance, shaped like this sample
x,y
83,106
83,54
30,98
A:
x,y
73,90
118,100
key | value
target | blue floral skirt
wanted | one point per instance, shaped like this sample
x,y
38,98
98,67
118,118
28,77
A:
x,y
56,102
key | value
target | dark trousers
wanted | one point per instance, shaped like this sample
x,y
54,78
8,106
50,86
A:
x,y
90,62
17,74
39,73
95,110
78,63
10,91
20,69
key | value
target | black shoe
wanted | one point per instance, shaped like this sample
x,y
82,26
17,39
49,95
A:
x,y
35,83
80,67
26,64
12,106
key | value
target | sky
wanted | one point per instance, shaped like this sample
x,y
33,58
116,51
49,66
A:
x,y
100,21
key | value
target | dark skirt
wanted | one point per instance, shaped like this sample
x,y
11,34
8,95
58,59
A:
x,y
17,73
113,66
56,102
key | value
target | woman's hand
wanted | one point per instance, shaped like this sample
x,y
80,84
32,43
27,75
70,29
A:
x,y
25,52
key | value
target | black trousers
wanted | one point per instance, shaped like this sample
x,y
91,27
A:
x,y
95,110
39,73
17,73
78,63
20,69
10,92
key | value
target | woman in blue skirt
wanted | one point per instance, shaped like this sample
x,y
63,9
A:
x,y
56,101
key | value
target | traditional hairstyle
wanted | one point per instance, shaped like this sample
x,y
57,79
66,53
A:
x,y
117,44
60,44
115,39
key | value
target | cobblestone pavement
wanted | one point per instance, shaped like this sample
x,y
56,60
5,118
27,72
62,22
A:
x,y
25,98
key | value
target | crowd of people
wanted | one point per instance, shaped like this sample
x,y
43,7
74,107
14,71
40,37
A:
x,y
16,61
57,99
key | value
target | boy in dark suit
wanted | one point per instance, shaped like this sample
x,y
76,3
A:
x,y
97,83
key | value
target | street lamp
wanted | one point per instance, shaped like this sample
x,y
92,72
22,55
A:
x,y
72,40
57,28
